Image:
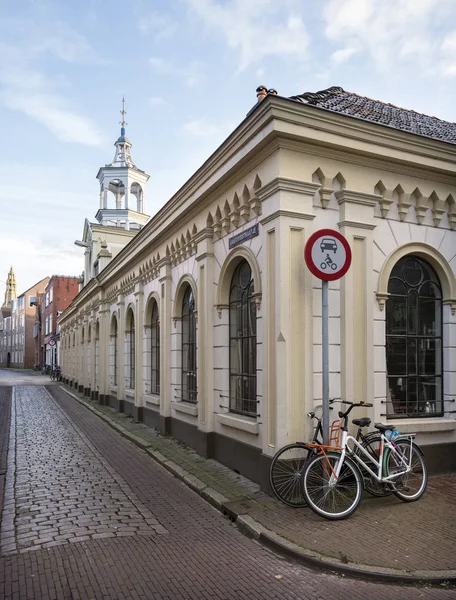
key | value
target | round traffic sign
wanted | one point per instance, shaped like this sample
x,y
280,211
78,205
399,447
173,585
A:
x,y
51,342
328,254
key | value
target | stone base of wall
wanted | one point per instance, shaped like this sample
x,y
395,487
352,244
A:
x,y
440,458
243,458
153,418
128,408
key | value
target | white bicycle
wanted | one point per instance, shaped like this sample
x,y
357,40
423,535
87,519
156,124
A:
x,y
333,483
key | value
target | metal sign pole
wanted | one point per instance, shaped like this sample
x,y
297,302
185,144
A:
x,y
325,359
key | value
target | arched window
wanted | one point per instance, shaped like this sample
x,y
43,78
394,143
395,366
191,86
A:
x,y
189,390
243,342
113,352
155,351
130,362
414,357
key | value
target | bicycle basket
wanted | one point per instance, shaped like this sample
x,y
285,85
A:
x,y
334,433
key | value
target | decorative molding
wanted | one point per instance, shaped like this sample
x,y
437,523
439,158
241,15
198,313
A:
x,y
220,308
188,409
287,184
452,305
257,297
355,197
287,213
381,299
204,255
237,423
357,224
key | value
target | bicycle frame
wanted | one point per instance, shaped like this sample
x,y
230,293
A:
x,y
346,449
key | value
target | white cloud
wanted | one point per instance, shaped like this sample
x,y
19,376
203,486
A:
x,y
158,24
388,31
255,28
38,203
160,65
448,53
25,89
192,74
200,128
158,101
341,56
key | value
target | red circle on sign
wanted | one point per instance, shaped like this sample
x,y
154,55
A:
x,y
51,342
314,268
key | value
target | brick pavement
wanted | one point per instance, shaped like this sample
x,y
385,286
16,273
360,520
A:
x,y
367,541
202,556
56,481
5,413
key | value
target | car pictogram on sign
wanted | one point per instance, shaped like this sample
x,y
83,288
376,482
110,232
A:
x,y
327,254
328,244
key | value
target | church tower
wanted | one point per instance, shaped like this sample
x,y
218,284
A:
x,y
121,214
123,186
10,294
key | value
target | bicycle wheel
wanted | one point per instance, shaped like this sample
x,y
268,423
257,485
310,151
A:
x,y
336,499
285,473
410,486
371,443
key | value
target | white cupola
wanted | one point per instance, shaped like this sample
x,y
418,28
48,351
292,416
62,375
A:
x,y
122,187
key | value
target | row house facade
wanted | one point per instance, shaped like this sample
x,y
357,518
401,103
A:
x,y
57,296
17,344
207,324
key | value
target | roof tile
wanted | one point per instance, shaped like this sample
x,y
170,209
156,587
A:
x,y
336,99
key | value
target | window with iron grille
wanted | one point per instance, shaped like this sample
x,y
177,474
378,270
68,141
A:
x,y
155,351
131,335
113,352
414,354
189,389
242,317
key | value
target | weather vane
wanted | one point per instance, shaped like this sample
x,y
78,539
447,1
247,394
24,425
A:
x,y
123,112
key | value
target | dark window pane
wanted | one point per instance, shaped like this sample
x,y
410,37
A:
x,y
429,316
411,356
429,356
397,287
412,312
397,315
412,272
414,355
188,349
242,330
396,348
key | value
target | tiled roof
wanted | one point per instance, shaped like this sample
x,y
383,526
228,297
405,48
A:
x,y
336,99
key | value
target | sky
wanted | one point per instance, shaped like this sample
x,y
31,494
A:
x,y
189,70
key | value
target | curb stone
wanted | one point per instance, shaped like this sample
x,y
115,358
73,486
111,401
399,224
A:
x,y
252,528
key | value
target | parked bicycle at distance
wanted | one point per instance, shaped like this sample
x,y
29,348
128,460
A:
x,y
55,374
332,480
287,464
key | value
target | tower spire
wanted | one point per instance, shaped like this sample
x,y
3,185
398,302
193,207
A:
x,y
123,112
10,292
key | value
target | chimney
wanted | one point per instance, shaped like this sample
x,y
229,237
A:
x,y
262,92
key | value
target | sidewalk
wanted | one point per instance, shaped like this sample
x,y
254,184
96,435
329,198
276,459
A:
x,y
385,539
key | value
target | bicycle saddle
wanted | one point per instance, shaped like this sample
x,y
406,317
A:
x,y
364,422
383,428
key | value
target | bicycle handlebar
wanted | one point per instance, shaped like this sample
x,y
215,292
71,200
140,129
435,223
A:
x,y
352,406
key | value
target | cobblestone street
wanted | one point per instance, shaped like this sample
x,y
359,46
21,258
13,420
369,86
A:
x,y
86,514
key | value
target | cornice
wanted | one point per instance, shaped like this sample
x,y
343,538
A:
x,y
352,129
287,213
357,225
287,184
355,197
